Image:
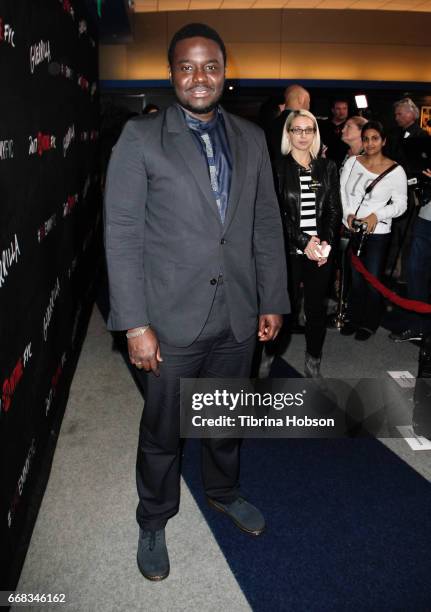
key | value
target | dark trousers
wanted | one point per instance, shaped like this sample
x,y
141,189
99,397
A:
x,y
215,354
364,308
315,281
419,273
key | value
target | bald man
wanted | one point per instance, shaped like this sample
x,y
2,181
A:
x,y
295,98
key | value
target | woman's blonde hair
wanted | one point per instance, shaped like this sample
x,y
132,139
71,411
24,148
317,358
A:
x,y
358,121
286,145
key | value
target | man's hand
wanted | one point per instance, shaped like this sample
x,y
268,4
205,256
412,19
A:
x,y
427,172
144,352
269,326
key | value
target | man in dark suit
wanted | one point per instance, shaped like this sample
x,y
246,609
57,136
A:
x,y
406,115
331,129
196,270
417,251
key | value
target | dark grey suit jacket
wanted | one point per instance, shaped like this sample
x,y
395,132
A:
x,y
164,239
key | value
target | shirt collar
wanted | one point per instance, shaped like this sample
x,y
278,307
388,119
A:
x,y
201,126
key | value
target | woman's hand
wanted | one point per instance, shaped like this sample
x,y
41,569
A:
x,y
427,172
371,222
322,260
350,219
312,249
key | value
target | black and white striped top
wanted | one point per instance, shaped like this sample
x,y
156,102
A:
x,y
308,204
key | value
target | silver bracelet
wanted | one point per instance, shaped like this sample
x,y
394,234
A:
x,y
138,332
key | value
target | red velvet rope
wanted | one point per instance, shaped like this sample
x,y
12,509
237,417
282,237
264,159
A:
x,y
415,305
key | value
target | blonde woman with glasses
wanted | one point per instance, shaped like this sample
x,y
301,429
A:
x,y
311,209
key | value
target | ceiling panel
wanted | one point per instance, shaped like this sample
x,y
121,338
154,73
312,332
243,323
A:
x,y
142,6
368,5
146,6
291,4
237,4
334,4
401,5
173,5
268,4
207,5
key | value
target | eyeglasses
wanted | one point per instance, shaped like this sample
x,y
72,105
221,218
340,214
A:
x,y
298,131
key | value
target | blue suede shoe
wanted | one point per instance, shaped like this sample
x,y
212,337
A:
x,y
153,559
243,514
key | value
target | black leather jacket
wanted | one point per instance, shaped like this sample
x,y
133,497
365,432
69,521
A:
x,y
328,202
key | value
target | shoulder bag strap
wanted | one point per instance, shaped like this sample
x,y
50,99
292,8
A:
x,y
374,183
379,178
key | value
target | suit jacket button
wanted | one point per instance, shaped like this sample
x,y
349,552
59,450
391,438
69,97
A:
x,y
222,241
213,281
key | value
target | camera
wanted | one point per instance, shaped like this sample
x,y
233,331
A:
x,y
359,226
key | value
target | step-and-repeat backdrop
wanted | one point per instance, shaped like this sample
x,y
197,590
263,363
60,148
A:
x,y
50,219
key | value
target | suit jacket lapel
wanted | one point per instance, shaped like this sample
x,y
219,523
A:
x,y
238,147
188,151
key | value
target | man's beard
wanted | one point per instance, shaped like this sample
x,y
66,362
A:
x,y
201,110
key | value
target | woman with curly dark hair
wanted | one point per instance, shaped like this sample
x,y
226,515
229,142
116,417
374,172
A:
x,y
373,192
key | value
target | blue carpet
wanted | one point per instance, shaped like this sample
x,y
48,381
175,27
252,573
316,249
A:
x,y
348,527
348,524
282,369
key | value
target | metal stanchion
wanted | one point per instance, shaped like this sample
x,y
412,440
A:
x,y
337,320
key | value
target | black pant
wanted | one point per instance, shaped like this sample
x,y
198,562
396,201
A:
x,y
315,281
215,354
364,308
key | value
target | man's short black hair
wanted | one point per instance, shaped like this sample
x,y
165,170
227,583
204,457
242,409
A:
x,y
190,31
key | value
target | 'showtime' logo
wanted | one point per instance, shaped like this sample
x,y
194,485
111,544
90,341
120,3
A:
x,y
54,384
41,143
39,53
8,257
50,309
21,482
83,83
66,71
70,204
6,149
11,383
67,7
45,229
68,139
82,27
7,34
